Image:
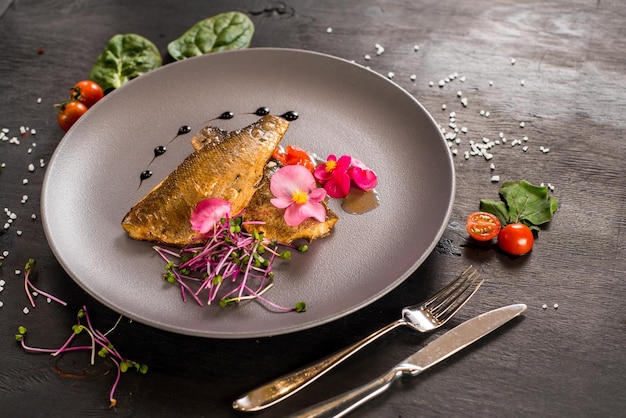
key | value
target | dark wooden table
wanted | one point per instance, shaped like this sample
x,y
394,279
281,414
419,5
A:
x,y
556,66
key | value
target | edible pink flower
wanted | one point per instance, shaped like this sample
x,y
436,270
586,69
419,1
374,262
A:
x,y
295,191
333,175
208,213
362,176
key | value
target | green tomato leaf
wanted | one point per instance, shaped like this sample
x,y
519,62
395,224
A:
x,y
527,203
522,202
223,32
495,208
124,58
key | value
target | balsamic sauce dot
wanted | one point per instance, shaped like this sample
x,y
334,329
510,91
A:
x,y
262,111
185,129
145,175
160,150
227,115
291,115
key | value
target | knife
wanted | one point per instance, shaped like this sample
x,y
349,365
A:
x,y
440,349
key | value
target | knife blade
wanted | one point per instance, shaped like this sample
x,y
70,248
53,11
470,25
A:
x,y
440,349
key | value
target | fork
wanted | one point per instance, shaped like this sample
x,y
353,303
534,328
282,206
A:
x,y
422,317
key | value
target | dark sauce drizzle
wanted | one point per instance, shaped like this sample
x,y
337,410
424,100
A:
x,y
160,150
262,111
290,116
185,129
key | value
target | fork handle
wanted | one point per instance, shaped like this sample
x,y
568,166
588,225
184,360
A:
x,y
285,386
341,405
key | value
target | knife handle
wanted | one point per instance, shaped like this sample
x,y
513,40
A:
x,y
341,405
285,386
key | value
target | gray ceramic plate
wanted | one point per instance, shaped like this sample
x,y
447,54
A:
x,y
93,179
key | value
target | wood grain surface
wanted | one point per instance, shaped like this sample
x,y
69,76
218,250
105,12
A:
x,y
550,71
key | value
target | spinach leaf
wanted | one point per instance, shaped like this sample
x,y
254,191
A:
x,y
495,208
522,202
226,31
124,58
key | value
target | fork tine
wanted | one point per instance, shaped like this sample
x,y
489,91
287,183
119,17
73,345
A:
x,y
456,303
447,302
442,294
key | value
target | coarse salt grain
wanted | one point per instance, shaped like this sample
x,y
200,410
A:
x,y
1,304
413,77
26,310
329,30
495,179
39,100
31,167
391,75
367,57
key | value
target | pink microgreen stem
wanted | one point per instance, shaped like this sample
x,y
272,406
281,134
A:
x,y
243,260
30,287
97,339
112,399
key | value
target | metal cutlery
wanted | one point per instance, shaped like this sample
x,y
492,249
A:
x,y
422,317
438,350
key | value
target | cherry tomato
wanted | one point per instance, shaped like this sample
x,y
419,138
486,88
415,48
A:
x,y
294,155
516,239
87,92
69,112
482,226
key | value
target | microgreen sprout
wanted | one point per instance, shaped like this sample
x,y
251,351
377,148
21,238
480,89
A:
x,y
232,266
98,340
29,287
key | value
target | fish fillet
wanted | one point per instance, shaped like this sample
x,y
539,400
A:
x,y
261,209
231,169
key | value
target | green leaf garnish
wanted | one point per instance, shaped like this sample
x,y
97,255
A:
x,y
124,58
522,202
222,32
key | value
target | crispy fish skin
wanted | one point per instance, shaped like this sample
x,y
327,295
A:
x,y
231,170
260,208
207,136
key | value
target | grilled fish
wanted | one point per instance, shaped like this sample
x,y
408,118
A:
x,y
229,169
261,209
